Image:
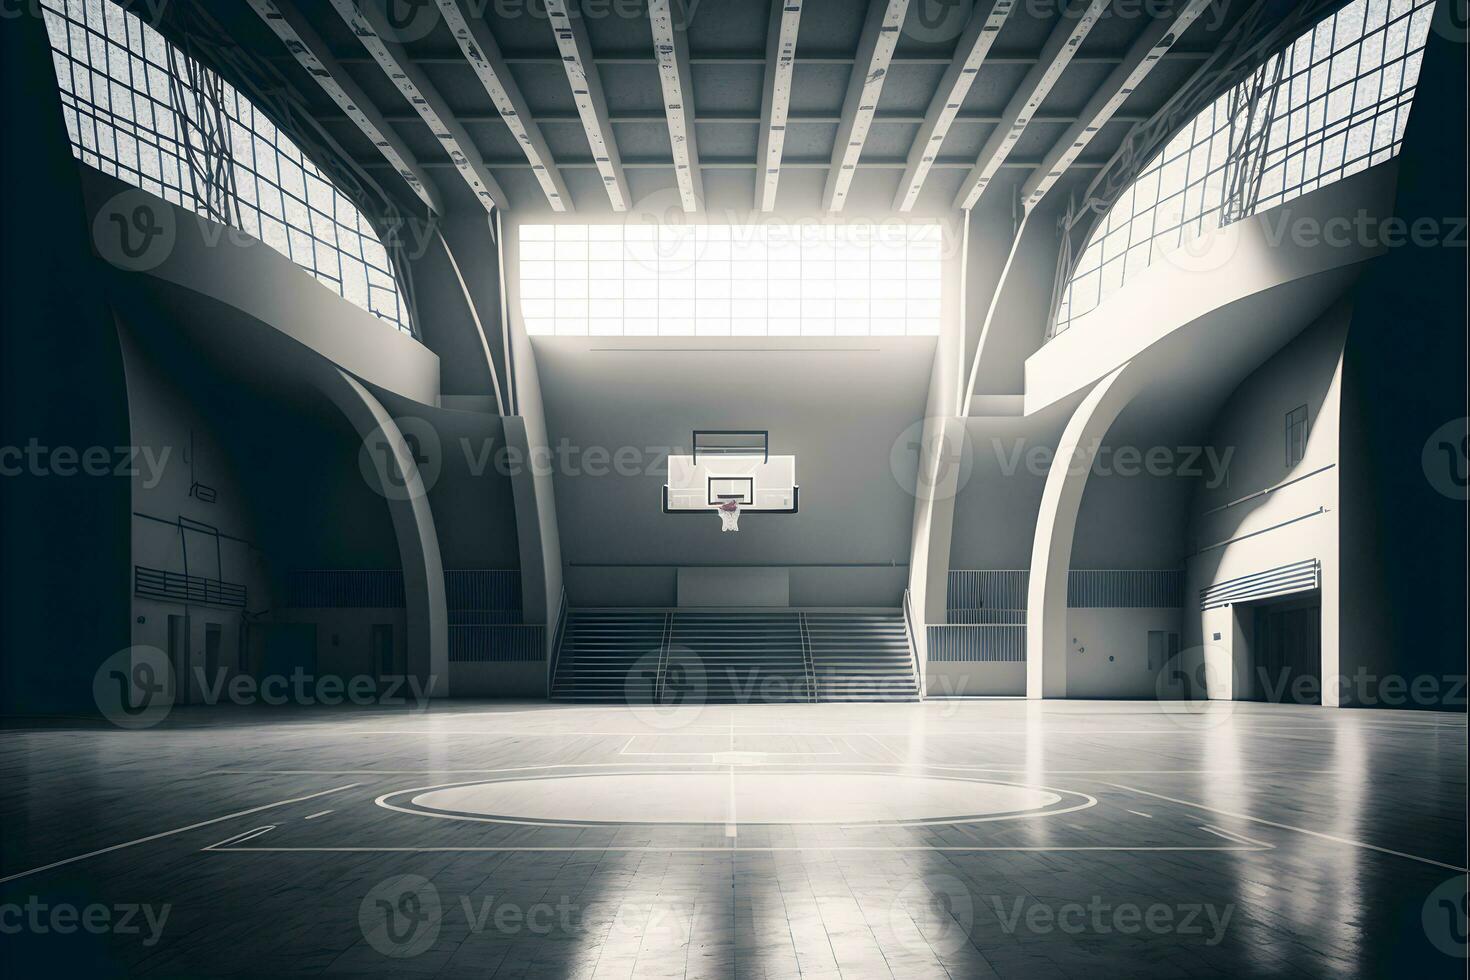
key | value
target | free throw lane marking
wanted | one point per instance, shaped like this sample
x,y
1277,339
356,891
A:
x,y
1238,842
170,833
1286,826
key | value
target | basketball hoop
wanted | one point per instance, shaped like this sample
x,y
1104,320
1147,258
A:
x,y
730,515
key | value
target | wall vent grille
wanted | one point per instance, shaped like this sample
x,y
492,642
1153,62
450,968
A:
x,y
1300,576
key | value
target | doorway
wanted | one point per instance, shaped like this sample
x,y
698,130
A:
x,y
178,657
381,644
1286,651
213,640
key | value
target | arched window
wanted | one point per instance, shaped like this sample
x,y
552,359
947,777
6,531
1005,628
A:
x,y
1334,102
140,109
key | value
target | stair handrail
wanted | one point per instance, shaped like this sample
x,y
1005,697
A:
x,y
663,656
908,629
558,635
806,656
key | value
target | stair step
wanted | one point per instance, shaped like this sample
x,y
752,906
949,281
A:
x,y
609,657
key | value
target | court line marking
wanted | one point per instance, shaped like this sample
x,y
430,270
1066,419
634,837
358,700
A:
x,y
1240,842
664,755
823,765
884,747
170,833
1270,729
1287,826
1089,801
624,750
730,824
242,837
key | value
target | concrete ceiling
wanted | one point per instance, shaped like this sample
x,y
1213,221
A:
x,y
727,42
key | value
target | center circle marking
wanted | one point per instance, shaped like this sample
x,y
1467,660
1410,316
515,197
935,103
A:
x,y
714,797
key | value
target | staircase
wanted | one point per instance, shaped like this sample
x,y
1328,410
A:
x,y
862,657
612,657
739,658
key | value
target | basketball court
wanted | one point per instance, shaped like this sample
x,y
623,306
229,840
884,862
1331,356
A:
x,y
936,839
733,489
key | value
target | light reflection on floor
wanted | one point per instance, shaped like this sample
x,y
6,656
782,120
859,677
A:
x,y
941,839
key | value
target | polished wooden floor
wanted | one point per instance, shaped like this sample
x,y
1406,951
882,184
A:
x,y
958,838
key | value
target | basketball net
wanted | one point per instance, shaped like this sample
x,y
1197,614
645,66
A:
x,y
730,516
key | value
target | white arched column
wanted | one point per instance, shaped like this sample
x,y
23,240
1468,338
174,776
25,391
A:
x,y
1056,524
426,610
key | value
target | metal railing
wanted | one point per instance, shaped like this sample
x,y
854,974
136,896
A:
x,y
157,583
806,656
908,629
977,643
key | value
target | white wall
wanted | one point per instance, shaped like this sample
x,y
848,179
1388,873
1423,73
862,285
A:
x,y
1289,524
846,407
1107,651
168,427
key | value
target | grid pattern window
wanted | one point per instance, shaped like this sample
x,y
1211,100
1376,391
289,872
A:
x,y
701,280
1296,435
1336,101
132,104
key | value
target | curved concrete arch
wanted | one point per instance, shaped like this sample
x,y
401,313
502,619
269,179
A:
x,y
232,268
1056,525
1293,261
302,334
426,608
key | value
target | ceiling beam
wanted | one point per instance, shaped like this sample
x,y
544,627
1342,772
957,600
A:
x,y
864,87
483,55
1058,51
576,57
286,22
759,59
780,62
1146,53
746,118
974,44
749,163
671,50
366,24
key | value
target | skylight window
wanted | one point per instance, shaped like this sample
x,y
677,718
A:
x,y
134,105
1334,102
720,280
